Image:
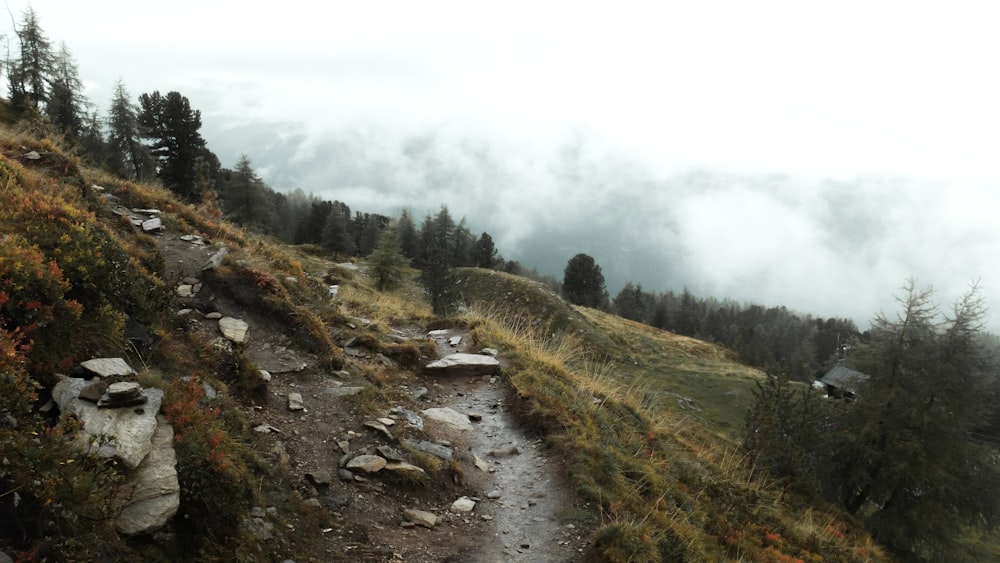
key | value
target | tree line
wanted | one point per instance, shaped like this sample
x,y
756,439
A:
x,y
771,338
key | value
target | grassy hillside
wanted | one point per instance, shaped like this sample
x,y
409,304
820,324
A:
x,y
645,420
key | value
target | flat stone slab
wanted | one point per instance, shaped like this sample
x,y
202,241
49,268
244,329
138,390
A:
x,y
108,367
448,416
443,452
465,364
156,495
367,464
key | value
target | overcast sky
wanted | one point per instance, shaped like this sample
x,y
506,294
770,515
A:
x,y
780,152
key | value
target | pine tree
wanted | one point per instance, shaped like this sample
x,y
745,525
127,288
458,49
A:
x,y
184,163
484,253
633,303
583,282
437,254
388,262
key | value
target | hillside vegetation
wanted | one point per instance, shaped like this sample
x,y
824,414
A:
x,y
645,419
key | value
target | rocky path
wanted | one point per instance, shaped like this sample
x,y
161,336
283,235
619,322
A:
x,y
526,499
522,509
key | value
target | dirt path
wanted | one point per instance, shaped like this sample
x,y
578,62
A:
x,y
525,495
524,508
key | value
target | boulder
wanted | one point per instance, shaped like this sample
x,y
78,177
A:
x,y
465,364
295,402
127,432
154,492
150,225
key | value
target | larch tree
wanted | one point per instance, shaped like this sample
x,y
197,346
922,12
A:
x,y
387,261
409,244
905,461
244,197
28,76
128,156
65,104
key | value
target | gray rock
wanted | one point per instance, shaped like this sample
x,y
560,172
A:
x,y
155,491
184,290
411,418
124,390
216,259
366,464
490,352
381,428
448,416
454,341
345,475
234,329
319,478
265,375
494,494
150,225
439,332
108,367
214,315
418,394
295,402
463,504
94,390
390,454
420,517
465,364
443,452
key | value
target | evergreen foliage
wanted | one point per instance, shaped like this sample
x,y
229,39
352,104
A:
x,y
29,75
407,232
484,254
336,230
583,282
388,262
127,156
901,456
437,260
245,198
184,163
65,104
